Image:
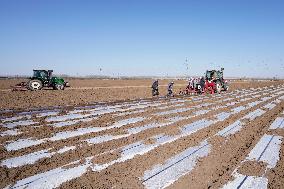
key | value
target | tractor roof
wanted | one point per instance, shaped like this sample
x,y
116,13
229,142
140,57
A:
x,y
214,70
222,69
44,70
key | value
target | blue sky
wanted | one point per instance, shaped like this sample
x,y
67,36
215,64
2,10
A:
x,y
142,37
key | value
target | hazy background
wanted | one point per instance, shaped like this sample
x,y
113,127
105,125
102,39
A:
x,y
142,37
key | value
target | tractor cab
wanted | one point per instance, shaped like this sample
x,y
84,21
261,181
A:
x,y
44,76
214,74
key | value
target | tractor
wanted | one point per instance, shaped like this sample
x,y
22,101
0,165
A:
x,y
40,79
216,76
213,82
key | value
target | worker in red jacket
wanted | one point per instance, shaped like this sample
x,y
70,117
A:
x,y
210,85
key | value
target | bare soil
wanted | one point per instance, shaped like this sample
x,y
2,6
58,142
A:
x,y
87,91
114,144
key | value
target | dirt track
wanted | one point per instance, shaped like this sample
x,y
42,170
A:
x,y
232,140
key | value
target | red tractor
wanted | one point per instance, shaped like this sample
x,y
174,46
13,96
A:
x,y
214,81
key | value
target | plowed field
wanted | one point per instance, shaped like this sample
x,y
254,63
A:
x,y
227,140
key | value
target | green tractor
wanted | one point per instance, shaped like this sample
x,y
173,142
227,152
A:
x,y
43,78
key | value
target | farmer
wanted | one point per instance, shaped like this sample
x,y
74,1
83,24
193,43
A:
x,y
202,83
214,76
195,81
155,88
210,85
188,89
170,88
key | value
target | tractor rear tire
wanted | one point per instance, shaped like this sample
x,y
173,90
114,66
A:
x,y
218,87
59,87
35,85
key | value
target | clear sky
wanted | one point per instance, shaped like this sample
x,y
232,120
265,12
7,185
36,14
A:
x,y
142,37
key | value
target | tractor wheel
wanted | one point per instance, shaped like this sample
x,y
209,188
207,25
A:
x,y
34,85
218,87
59,86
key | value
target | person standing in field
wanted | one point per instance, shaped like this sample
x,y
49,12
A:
x,y
155,88
202,84
191,83
170,88
210,85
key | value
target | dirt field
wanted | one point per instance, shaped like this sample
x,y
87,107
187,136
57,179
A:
x,y
228,140
86,91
